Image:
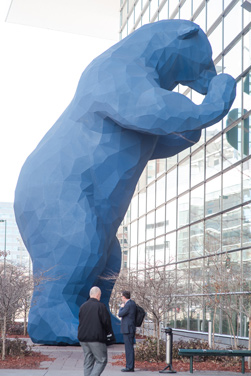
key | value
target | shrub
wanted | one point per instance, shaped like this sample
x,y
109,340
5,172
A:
x,y
16,347
16,328
147,350
191,344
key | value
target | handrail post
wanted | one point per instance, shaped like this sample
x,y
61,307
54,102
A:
x,y
169,350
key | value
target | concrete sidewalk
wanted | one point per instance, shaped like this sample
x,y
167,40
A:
x,y
69,362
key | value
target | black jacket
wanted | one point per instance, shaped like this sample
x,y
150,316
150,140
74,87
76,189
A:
x,y
94,322
128,314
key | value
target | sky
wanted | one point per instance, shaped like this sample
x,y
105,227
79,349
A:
x,y
39,73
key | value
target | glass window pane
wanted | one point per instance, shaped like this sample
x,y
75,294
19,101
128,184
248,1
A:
x,y
213,130
246,225
197,167
170,162
137,9
226,3
141,256
200,142
142,179
215,38
235,111
232,146
150,224
246,262
214,9
171,216
197,203
171,184
134,233
160,190
160,166
142,230
186,10
183,176
197,240
231,230
247,51
196,4
150,197
183,210
172,6
163,14
133,258
213,157
150,253
247,92
232,18
130,22
213,195
124,13
146,17
232,61
213,235
142,202
246,176
160,250
183,244
134,207
231,188
183,154
201,19
171,248
154,4
246,17
160,221
151,171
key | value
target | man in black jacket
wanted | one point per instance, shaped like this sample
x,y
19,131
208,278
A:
x,y
94,326
128,313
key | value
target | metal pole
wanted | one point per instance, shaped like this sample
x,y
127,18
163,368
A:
x,y
169,349
210,334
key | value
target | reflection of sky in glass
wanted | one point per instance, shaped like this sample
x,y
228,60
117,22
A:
x,y
232,18
215,38
214,9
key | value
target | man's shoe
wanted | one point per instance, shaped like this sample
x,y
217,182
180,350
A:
x,y
127,370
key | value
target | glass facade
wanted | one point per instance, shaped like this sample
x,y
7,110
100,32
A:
x,y
192,213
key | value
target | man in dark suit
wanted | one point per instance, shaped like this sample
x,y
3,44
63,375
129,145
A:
x,y
127,313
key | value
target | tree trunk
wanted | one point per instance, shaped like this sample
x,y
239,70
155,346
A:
x,y
4,336
25,319
158,338
214,315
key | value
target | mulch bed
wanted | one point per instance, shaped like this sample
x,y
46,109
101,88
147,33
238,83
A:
x,y
31,361
181,366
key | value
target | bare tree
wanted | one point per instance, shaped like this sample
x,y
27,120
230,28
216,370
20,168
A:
x,y
14,285
16,288
155,289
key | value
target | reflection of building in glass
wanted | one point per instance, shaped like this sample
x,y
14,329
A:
x,y
10,238
192,212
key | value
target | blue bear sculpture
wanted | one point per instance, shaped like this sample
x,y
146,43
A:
x,y
75,188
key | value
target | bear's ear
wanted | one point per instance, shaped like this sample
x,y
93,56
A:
x,y
187,32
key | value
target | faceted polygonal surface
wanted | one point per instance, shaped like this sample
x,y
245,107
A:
x,y
75,188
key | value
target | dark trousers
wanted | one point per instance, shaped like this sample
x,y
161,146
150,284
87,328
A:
x,y
129,349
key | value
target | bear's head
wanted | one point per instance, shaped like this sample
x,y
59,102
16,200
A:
x,y
184,55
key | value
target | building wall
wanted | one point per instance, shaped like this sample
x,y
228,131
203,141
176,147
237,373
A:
x,y
192,213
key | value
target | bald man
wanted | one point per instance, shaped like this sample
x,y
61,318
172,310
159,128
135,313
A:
x,y
94,326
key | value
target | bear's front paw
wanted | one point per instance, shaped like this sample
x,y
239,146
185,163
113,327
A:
x,y
222,90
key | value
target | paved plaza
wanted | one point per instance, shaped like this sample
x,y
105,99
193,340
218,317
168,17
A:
x,y
69,362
